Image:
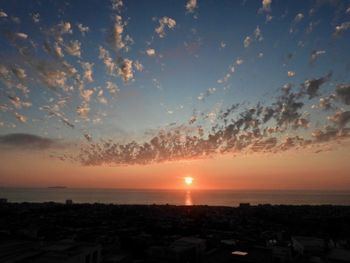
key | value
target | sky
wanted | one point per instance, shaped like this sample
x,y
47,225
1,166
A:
x,y
140,94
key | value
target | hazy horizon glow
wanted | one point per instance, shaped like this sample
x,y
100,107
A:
x,y
141,94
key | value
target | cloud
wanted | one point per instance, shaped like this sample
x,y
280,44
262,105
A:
x,y
227,76
20,117
343,92
73,48
291,74
54,112
118,41
266,5
59,30
255,129
327,134
117,5
151,52
24,141
20,36
340,118
163,23
36,17
191,6
298,17
83,29
207,93
54,49
3,14
239,61
257,34
138,66
86,94
247,41
101,98
112,87
88,71
18,103
312,86
54,78
316,54
326,102
339,30
222,44
65,28
125,69
19,72
83,110
107,60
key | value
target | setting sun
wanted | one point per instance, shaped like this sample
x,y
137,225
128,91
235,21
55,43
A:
x,y
188,180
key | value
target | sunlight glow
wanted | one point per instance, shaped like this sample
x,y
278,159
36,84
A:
x,y
188,180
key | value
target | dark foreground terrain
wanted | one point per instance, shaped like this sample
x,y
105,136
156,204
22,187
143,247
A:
x,y
91,233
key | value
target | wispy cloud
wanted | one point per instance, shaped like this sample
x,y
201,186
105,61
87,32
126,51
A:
x,y
25,141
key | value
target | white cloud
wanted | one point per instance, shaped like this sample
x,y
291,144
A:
x,y
3,14
83,29
257,34
291,74
138,66
20,117
316,54
101,98
341,28
239,61
151,52
88,71
86,94
298,17
58,51
74,48
191,5
19,72
163,23
55,78
125,69
65,28
20,35
112,87
18,103
54,49
247,41
107,60
83,110
118,30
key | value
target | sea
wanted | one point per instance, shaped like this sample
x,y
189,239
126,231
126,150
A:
x,y
176,197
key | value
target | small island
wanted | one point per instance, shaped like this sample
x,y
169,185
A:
x,y
58,187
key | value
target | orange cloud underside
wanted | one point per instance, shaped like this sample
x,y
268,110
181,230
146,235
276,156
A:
x,y
286,170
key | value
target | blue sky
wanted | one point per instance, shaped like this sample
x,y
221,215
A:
x,y
208,56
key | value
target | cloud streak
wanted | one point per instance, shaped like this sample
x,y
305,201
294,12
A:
x,y
25,141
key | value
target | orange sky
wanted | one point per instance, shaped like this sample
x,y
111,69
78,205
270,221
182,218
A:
x,y
286,170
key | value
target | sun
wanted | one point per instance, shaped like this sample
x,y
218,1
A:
x,y
188,180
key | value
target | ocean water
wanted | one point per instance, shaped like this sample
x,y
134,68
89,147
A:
x,y
176,197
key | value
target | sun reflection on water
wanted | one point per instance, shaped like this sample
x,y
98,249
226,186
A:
x,y
188,198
